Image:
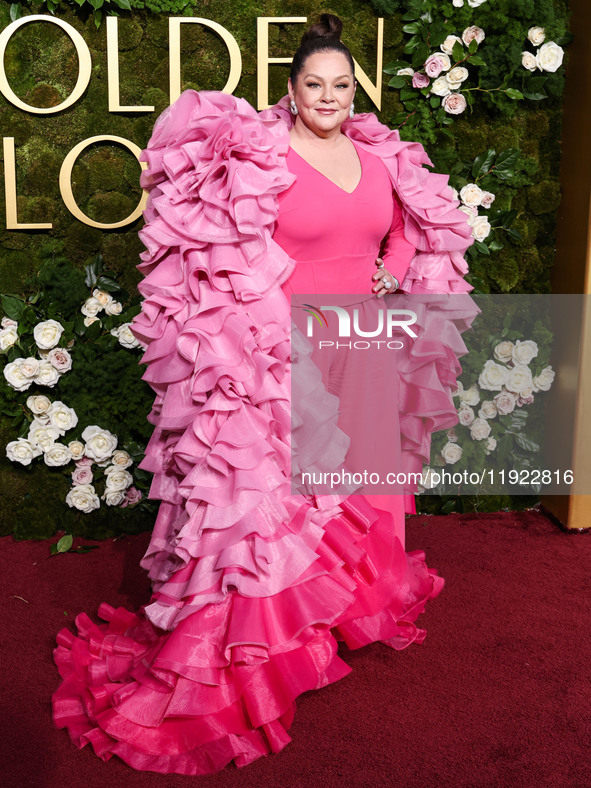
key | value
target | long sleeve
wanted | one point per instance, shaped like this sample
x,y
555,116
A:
x,y
397,252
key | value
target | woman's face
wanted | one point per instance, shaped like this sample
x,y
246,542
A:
x,y
323,92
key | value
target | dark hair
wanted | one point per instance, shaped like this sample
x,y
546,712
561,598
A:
x,y
324,36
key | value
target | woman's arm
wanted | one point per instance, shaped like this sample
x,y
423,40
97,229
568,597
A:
x,y
396,251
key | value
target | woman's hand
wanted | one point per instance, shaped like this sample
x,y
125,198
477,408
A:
x,y
385,282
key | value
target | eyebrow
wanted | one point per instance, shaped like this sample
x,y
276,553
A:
x,y
343,76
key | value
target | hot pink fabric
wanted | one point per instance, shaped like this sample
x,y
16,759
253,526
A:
x,y
252,586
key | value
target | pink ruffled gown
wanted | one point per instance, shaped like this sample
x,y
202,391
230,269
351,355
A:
x,y
252,586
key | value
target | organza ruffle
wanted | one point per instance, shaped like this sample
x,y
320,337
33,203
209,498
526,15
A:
x,y
252,586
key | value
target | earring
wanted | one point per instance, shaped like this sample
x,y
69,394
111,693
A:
x,y
352,110
293,108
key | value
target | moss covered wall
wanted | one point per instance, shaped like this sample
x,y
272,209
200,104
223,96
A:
x,y
41,66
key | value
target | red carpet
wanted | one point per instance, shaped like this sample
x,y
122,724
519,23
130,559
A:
x,y
498,695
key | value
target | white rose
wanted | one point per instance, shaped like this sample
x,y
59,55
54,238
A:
x,y
427,480
47,334
471,194
62,417
536,35
544,380
456,76
451,453
481,228
118,478
459,389
452,435
76,449
465,415
57,455
505,402
113,497
41,435
504,351
440,87
8,337
100,444
487,199
519,379
102,297
114,307
471,212
124,335
405,72
528,61
60,359
47,375
121,459
549,57
524,352
473,32
91,307
22,451
448,44
488,409
457,3
454,104
480,429
83,497
470,396
29,367
38,404
493,376
14,376
491,445
475,3
90,319
8,322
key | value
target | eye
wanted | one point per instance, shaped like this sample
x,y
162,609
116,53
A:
x,y
343,85
312,84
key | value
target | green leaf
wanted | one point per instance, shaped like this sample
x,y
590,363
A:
x,y
413,27
407,93
514,94
107,283
495,246
535,96
526,443
483,162
93,271
123,4
458,52
482,248
397,82
412,44
13,307
473,46
393,68
65,543
476,60
435,101
16,11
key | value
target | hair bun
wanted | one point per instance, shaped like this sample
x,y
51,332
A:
x,y
329,26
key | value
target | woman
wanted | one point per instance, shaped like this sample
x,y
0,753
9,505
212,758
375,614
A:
x,y
253,585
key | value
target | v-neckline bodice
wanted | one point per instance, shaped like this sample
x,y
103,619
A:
x,y
311,166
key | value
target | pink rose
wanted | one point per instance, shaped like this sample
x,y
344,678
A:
x,y
505,402
473,32
487,199
132,496
454,104
82,475
434,65
525,400
84,462
60,359
420,80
